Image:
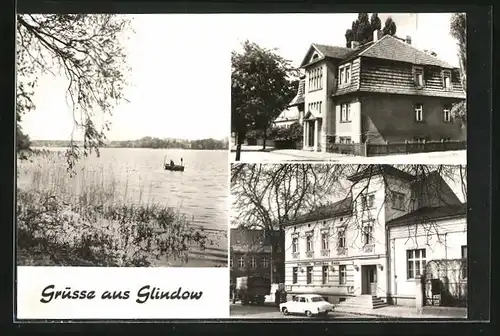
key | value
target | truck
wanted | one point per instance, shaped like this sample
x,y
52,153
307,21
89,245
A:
x,y
252,289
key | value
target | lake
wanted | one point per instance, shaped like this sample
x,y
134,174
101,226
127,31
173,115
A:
x,y
200,191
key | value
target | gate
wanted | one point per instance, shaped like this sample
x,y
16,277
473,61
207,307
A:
x,y
445,283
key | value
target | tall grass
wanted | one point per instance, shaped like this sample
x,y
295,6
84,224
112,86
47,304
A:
x,y
89,218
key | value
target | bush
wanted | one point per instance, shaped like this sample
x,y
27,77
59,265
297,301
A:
x,y
292,133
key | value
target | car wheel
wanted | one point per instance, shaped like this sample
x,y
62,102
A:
x,y
309,313
284,311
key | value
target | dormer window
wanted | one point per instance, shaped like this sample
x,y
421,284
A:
x,y
418,73
447,113
446,79
344,74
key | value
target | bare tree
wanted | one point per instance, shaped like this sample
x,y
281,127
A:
x,y
269,197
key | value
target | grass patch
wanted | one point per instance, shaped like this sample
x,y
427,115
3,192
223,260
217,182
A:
x,y
87,219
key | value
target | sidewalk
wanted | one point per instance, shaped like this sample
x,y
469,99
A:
x,y
408,312
256,154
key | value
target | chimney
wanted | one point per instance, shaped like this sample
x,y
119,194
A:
x,y
376,35
354,44
408,39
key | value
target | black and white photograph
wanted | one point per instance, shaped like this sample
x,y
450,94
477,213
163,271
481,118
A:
x,y
351,88
353,241
119,160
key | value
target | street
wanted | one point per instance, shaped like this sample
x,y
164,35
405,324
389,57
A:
x,y
269,311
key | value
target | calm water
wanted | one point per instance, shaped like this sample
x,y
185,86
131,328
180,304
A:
x,y
201,191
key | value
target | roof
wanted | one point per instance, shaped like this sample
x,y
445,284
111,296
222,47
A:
x,y
374,170
336,209
392,48
299,98
290,114
388,47
430,213
248,240
434,189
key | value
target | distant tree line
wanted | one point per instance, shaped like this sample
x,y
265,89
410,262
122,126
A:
x,y
147,142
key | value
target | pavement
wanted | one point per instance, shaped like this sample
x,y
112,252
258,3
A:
x,y
256,154
269,311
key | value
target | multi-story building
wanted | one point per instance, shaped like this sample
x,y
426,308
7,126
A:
x,y
383,91
252,253
377,240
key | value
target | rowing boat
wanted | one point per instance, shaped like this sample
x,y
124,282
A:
x,y
174,167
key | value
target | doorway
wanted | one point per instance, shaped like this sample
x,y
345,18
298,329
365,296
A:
x,y
369,279
310,141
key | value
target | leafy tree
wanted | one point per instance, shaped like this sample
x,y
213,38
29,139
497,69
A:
x,y
86,49
362,28
389,27
458,29
261,90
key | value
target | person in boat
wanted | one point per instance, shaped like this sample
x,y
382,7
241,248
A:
x,y
182,162
172,163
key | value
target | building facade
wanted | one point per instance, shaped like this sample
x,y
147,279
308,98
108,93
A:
x,y
252,253
364,243
383,91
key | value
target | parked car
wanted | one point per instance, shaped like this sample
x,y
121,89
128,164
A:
x,y
309,304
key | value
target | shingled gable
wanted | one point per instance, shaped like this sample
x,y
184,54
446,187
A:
x,y
299,98
380,170
340,208
393,49
325,51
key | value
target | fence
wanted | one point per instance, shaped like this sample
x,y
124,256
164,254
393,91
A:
x,y
445,283
388,148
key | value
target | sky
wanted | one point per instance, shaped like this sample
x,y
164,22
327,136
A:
x,y
180,81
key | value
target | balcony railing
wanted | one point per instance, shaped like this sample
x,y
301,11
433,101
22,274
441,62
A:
x,y
309,254
342,251
325,253
369,248
295,255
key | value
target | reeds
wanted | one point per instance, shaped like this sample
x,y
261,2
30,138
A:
x,y
89,219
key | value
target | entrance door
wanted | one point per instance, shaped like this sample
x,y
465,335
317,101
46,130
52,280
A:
x,y
369,279
311,133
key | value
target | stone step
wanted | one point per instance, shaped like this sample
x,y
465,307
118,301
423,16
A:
x,y
363,301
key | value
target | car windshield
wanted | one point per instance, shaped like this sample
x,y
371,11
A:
x,y
317,299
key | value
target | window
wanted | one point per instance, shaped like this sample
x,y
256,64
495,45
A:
x,y
309,243
324,277
344,74
447,114
342,274
415,263
398,201
315,79
345,112
309,271
464,262
324,241
295,272
253,262
341,238
446,79
345,140
367,233
295,244
367,201
241,262
419,112
265,262
419,76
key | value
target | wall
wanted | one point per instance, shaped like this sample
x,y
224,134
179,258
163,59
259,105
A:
x,y
351,128
236,271
390,117
431,236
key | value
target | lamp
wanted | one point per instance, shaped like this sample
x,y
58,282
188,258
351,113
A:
x,y
381,267
332,268
356,267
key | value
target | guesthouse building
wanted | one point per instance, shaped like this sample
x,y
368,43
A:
x,y
382,91
391,232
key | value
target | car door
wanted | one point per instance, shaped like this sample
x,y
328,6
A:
x,y
301,305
